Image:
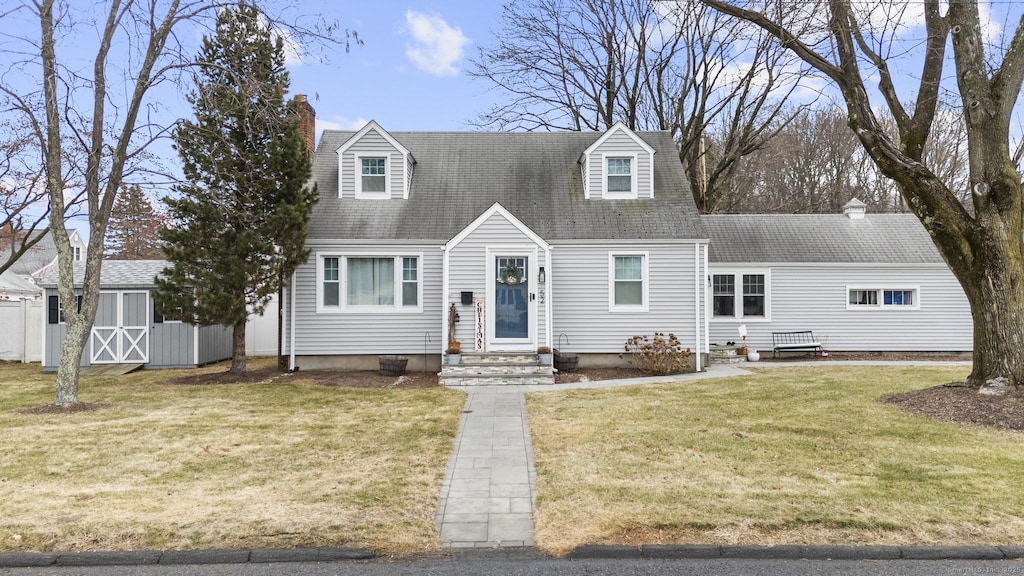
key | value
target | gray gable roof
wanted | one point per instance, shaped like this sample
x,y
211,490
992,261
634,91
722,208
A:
x,y
535,176
36,258
771,238
118,273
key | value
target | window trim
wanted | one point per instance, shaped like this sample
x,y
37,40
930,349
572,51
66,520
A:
x,y
880,291
59,309
737,274
344,307
358,175
633,192
76,253
645,259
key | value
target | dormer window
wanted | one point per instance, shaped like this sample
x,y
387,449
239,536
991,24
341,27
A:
x,y
76,253
373,176
620,173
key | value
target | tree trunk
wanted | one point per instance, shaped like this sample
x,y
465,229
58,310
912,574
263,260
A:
x,y
68,368
995,290
238,348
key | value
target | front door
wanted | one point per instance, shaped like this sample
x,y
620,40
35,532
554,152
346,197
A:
x,y
121,332
512,302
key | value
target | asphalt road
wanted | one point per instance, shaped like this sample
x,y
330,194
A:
x,y
520,564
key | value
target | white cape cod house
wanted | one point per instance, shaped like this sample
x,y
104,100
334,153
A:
x,y
576,240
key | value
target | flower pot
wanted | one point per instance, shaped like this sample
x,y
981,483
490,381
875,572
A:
x,y
392,365
753,355
453,359
741,350
545,359
567,362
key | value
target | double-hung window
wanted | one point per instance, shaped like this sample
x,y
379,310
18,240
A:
x,y
740,295
628,282
373,176
367,283
874,298
619,175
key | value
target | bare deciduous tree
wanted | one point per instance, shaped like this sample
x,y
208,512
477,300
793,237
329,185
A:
x,y
982,246
85,77
676,66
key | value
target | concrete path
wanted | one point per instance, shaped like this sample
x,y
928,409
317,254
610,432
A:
x,y
489,492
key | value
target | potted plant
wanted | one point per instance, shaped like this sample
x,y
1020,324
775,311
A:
x,y
454,352
544,356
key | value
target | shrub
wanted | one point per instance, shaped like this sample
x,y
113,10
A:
x,y
657,355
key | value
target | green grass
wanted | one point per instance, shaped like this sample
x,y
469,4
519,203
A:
x,y
802,455
216,466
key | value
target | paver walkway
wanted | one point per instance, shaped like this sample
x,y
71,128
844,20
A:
x,y
488,493
488,496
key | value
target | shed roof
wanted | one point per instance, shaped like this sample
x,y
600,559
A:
x,y
819,238
118,273
535,176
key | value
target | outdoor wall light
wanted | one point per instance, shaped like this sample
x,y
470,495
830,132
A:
x,y
540,275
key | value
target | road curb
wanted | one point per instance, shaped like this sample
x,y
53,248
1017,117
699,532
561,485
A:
x,y
177,557
798,552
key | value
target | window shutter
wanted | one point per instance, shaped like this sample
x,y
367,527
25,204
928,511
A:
x,y
52,310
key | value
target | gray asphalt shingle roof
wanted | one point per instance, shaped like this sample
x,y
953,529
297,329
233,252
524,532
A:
x,y
877,238
536,176
117,273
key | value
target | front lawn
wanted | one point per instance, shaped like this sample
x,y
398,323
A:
x,y
790,455
172,466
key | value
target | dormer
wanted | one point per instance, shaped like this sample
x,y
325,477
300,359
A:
x,y
372,165
618,166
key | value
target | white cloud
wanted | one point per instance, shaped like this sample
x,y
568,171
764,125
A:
x,y
437,48
340,123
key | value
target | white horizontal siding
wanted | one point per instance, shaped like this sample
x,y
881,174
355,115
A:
x,y
339,333
814,298
371,144
579,292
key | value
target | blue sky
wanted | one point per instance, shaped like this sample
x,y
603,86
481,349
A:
x,y
409,74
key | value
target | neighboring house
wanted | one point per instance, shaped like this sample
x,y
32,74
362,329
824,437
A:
x,y
861,282
128,327
21,280
577,240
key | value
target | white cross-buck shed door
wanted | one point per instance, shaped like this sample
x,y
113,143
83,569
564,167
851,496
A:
x,y
120,334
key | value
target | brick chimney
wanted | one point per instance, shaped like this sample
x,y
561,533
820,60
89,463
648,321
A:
x,y
307,122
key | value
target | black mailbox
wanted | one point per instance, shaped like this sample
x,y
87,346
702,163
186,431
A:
x,y
467,298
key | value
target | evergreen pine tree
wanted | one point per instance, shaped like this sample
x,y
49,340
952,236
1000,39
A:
x,y
133,232
239,223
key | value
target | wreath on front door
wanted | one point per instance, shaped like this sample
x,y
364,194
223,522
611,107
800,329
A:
x,y
510,273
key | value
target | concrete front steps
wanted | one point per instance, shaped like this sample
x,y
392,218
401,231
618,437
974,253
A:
x,y
497,369
723,354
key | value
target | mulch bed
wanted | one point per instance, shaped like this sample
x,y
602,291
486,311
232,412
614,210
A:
x,y
963,405
342,378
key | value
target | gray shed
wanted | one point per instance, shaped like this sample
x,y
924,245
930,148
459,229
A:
x,y
128,328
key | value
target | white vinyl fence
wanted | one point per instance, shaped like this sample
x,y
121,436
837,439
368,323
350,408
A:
x,y
261,332
21,330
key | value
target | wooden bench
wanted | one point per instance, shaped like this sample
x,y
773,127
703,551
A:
x,y
794,341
